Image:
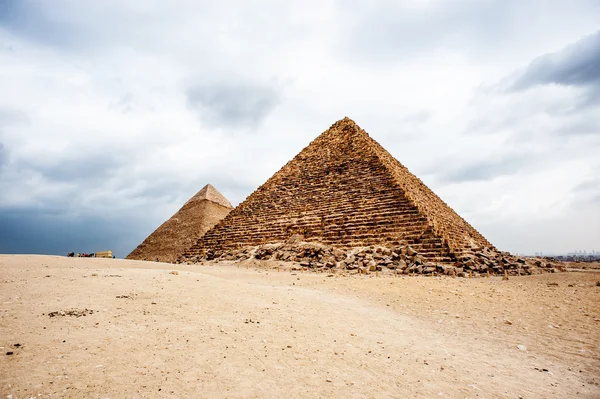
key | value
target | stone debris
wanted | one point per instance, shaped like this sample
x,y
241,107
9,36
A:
x,y
16,346
402,259
542,370
71,312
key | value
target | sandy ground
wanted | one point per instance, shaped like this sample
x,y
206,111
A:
x,y
232,332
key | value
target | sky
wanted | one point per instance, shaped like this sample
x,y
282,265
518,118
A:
x,y
113,113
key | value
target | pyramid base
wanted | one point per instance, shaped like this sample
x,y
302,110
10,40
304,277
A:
x,y
401,259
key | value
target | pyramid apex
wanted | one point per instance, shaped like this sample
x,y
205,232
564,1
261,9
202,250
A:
x,y
346,122
210,193
345,127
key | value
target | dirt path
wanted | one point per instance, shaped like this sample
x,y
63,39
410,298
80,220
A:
x,y
228,332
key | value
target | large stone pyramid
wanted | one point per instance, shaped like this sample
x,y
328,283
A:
x,y
196,217
344,190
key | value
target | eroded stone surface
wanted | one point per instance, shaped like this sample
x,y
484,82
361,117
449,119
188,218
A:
x,y
344,190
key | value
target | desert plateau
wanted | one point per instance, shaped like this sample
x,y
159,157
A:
x,y
109,328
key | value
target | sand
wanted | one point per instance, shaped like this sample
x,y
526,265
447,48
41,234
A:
x,y
229,332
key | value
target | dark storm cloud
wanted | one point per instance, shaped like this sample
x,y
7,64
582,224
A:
x,y
52,228
33,231
483,170
576,65
77,165
91,168
232,104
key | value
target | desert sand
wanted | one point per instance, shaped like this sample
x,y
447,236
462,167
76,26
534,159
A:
x,y
162,330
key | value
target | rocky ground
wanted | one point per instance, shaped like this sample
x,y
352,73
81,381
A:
x,y
99,328
401,259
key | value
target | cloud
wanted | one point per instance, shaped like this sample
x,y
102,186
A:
x,y
36,21
551,113
484,170
576,65
29,231
418,117
120,126
588,191
90,167
579,127
233,103
10,117
388,31
3,156
523,160
123,104
553,98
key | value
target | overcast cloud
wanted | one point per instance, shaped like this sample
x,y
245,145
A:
x,y
232,103
113,113
578,64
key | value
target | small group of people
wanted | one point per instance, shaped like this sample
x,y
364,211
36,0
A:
x,y
78,255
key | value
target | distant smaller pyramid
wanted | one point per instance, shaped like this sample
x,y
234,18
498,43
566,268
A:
x,y
184,228
211,194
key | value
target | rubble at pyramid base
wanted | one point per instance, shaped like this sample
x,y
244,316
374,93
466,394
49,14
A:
x,y
402,259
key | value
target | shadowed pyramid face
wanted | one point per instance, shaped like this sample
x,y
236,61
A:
x,y
344,190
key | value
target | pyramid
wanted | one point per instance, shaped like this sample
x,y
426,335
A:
x,y
196,217
344,190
